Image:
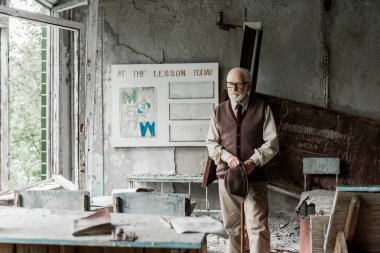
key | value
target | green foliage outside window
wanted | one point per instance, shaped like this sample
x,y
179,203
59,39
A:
x,y
25,49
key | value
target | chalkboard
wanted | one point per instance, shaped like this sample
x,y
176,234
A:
x,y
310,131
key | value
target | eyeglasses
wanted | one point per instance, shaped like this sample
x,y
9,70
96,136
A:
x,y
238,85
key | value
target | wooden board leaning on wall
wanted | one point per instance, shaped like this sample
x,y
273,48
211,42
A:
x,y
311,131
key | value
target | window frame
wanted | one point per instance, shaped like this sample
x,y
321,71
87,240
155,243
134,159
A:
x,y
55,146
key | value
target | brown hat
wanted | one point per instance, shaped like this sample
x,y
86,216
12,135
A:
x,y
236,183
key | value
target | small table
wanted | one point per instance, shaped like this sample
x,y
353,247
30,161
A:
x,y
43,230
173,178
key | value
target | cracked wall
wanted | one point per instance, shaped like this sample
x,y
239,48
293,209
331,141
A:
x,y
292,66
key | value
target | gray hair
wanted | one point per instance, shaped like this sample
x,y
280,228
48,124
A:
x,y
246,74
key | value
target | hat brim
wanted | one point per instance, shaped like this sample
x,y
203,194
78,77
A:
x,y
236,183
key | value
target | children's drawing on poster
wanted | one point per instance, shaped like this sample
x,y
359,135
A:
x,y
138,112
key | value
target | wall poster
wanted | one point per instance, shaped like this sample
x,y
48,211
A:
x,y
162,104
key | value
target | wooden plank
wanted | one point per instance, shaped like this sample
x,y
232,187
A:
x,y
318,228
67,184
13,248
55,151
21,248
8,197
7,248
358,189
367,231
209,175
316,165
340,244
352,219
38,248
173,178
116,205
79,111
54,249
18,200
153,203
90,99
53,199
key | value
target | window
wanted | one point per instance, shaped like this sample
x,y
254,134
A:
x,y
27,108
39,87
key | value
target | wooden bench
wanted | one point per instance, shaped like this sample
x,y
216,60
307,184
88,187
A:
x,y
174,204
53,199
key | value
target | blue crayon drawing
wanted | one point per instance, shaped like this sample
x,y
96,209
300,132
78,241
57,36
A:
x,y
150,126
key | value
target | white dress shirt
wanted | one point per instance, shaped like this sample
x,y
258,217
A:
x,y
262,155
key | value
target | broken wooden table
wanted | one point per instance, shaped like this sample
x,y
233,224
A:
x,y
355,221
42,230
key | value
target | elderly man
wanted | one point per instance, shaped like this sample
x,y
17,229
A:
x,y
242,129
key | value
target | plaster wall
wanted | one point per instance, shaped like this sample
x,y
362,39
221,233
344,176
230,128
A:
x,y
355,57
298,38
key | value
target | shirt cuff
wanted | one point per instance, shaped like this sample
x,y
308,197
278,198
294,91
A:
x,y
225,155
255,158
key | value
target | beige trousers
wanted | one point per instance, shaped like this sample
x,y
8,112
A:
x,y
256,218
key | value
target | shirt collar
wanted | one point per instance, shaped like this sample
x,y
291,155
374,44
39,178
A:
x,y
244,103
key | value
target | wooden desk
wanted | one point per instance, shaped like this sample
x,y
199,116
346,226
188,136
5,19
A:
x,y
41,230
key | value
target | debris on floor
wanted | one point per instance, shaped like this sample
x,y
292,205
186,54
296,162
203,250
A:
x,y
284,230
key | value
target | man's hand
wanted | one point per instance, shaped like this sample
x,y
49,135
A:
x,y
249,166
233,161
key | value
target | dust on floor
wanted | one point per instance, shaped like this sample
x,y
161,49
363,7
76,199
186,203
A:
x,y
284,231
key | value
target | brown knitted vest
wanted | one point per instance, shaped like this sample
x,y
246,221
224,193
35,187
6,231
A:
x,y
249,133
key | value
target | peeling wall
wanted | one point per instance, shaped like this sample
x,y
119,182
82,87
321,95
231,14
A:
x,y
355,57
297,37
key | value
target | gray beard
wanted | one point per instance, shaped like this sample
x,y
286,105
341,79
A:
x,y
237,99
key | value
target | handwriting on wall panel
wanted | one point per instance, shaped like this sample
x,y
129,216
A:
x,y
311,131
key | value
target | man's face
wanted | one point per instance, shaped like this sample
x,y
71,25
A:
x,y
239,87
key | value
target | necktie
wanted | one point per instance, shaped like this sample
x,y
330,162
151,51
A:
x,y
238,112
239,108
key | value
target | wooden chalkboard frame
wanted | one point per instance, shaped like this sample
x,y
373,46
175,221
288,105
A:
x,y
307,130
